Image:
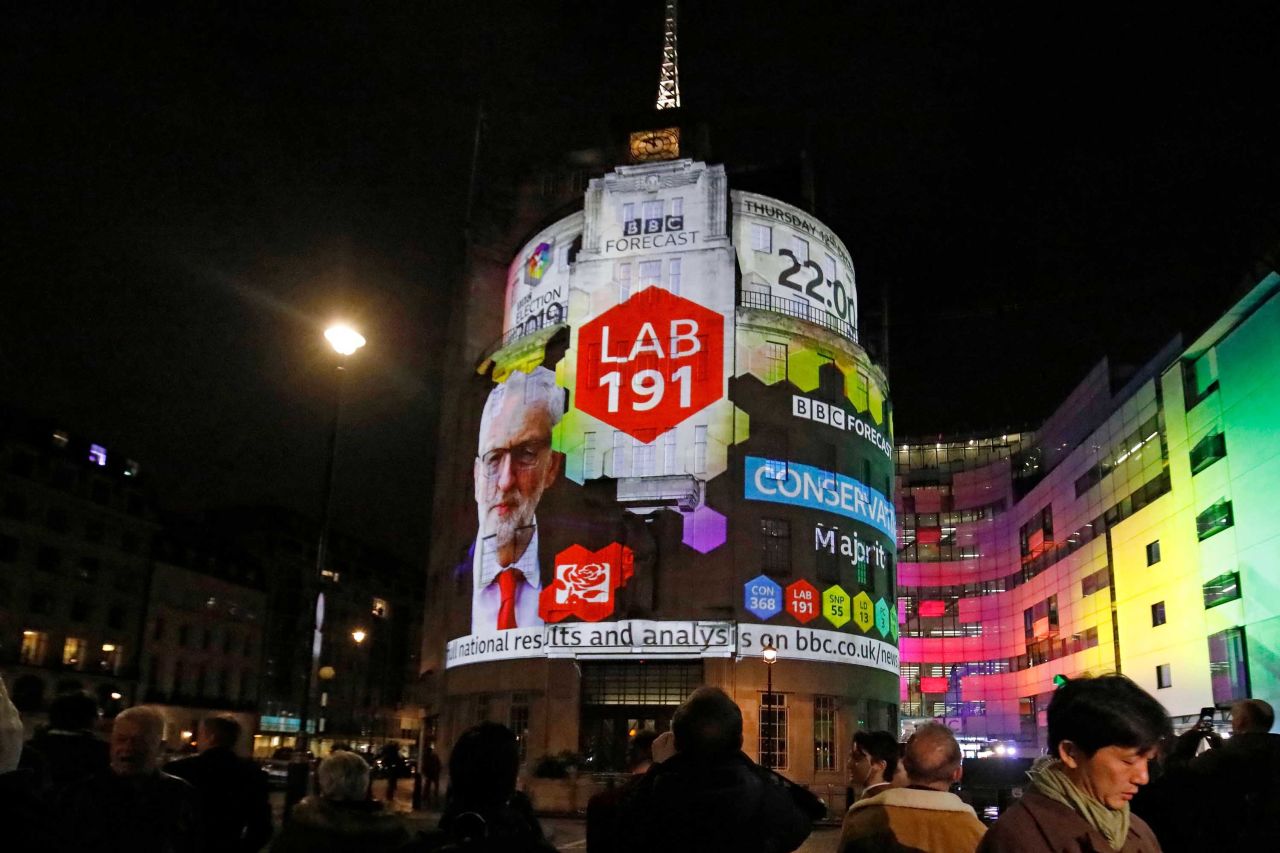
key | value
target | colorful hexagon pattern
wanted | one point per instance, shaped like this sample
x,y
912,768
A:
x,y
762,597
864,612
835,605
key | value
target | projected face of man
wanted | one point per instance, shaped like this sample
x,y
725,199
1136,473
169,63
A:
x,y
514,466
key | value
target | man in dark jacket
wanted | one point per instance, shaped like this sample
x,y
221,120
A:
x,y
134,807
709,795
1241,779
67,751
233,790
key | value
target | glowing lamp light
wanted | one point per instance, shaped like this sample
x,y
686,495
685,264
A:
x,y
1012,752
1000,750
358,635
769,653
108,647
187,734
326,673
117,696
344,339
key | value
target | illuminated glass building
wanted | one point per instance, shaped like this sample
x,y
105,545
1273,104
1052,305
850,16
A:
x,y
1137,530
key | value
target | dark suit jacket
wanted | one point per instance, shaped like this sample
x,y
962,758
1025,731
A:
x,y
233,795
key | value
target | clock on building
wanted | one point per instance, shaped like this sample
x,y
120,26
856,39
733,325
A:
x,y
661,144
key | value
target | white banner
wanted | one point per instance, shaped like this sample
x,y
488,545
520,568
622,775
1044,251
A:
x,y
639,638
810,644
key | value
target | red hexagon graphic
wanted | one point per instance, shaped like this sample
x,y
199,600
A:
x,y
803,601
586,583
649,363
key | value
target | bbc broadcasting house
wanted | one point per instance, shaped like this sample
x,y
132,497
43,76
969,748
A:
x,y
1137,530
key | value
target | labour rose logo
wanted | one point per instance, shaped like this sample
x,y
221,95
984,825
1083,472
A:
x,y
586,583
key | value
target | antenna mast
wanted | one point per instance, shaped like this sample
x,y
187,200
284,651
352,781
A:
x,y
669,78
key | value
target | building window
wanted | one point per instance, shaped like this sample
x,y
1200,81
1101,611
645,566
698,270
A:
x,y
34,646
775,362
673,276
669,452
773,730
9,548
184,635
73,649
824,733
41,602
482,707
761,238
1207,451
1200,377
650,274
775,546
1164,676
80,610
829,266
116,616
1153,553
645,458
1157,614
1215,519
94,531
48,559
620,454
1223,588
518,721
623,276
1228,666
700,449
379,608
801,249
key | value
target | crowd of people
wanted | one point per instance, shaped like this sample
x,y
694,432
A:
x,y
1115,779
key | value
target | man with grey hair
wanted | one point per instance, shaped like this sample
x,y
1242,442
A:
x,y
514,465
925,815
342,818
135,806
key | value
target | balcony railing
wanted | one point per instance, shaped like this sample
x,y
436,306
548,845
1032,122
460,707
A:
x,y
800,309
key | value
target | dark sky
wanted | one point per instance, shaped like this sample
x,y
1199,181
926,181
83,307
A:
x,y
192,193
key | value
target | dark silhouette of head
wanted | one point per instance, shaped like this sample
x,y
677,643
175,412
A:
x,y
222,730
1187,747
932,757
708,726
1109,710
483,767
73,711
1252,716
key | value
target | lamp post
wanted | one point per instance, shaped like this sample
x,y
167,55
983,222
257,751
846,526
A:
x,y
345,341
770,655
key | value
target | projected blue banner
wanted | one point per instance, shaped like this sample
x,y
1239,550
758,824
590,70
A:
x,y
804,485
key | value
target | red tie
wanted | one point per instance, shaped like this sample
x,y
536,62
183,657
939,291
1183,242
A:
x,y
507,580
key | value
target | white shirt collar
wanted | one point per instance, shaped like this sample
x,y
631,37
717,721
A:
x,y
527,564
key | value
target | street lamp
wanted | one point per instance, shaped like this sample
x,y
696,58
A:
x,y
358,635
345,341
770,655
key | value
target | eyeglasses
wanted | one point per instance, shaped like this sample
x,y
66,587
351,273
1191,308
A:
x,y
523,457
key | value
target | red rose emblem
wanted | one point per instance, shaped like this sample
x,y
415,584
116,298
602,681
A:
x,y
585,583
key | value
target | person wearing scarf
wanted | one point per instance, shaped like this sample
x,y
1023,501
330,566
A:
x,y
1102,733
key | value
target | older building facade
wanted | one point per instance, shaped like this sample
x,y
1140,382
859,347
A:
x,y
674,464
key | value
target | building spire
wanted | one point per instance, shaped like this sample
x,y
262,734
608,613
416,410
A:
x,y
669,77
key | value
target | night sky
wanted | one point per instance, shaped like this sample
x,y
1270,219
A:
x,y
192,194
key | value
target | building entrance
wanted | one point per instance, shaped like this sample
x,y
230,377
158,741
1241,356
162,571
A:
x,y
620,699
